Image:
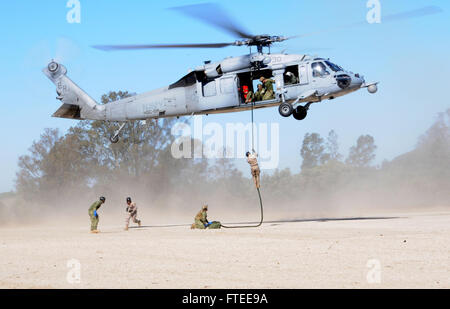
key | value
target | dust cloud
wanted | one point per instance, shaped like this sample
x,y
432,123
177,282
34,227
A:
x,y
415,181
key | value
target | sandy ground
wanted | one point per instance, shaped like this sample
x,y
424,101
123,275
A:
x,y
397,251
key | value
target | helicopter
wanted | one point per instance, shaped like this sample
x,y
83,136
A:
x,y
217,87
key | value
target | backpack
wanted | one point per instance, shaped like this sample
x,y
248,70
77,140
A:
x,y
215,225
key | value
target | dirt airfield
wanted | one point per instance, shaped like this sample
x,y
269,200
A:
x,y
410,250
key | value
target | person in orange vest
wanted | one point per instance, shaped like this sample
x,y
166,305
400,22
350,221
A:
x,y
248,94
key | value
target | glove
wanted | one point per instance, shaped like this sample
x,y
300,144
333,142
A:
x,y
95,213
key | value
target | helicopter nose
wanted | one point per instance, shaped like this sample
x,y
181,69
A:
x,y
357,80
344,81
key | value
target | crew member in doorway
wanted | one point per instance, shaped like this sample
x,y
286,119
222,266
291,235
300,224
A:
x,y
290,78
268,85
259,94
248,94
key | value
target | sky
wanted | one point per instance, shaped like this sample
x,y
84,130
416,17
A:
x,y
409,58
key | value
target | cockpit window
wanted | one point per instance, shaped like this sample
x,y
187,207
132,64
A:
x,y
334,67
319,69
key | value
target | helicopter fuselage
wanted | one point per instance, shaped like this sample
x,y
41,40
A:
x,y
216,88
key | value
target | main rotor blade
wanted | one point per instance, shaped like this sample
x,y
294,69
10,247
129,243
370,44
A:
x,y
215,15
428,10
131,47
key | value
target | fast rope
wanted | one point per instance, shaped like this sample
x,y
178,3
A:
x,y
259,193
253,133
253,106
249,226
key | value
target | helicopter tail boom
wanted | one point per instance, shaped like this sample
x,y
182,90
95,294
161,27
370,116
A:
x,y
77,104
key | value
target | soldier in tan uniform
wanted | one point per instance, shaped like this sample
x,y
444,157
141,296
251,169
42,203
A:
x,y
252,159
131,213
201,219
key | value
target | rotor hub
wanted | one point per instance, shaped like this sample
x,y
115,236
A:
x,y
261,40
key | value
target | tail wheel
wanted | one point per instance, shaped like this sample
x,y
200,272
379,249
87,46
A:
x,y
114,139
300,113
285,109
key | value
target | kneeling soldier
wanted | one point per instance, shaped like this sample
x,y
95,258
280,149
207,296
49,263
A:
x,y
201,220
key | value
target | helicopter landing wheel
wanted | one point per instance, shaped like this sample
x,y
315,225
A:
x,y
300,113
285,109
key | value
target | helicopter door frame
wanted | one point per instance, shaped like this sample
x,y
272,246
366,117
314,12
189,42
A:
x,y
229,85
303,74
243,79
220,93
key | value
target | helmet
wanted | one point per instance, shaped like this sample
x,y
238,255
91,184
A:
x,y
128,199
102,198
247,153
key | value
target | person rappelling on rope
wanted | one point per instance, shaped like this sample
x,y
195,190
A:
x,y
252,159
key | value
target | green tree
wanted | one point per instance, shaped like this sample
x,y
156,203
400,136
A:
x,y
223,167
363,153
31,167
55,164
141,148
436,140
313,151
84,157
332,146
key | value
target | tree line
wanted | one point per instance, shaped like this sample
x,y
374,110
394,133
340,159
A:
x,y
81,164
